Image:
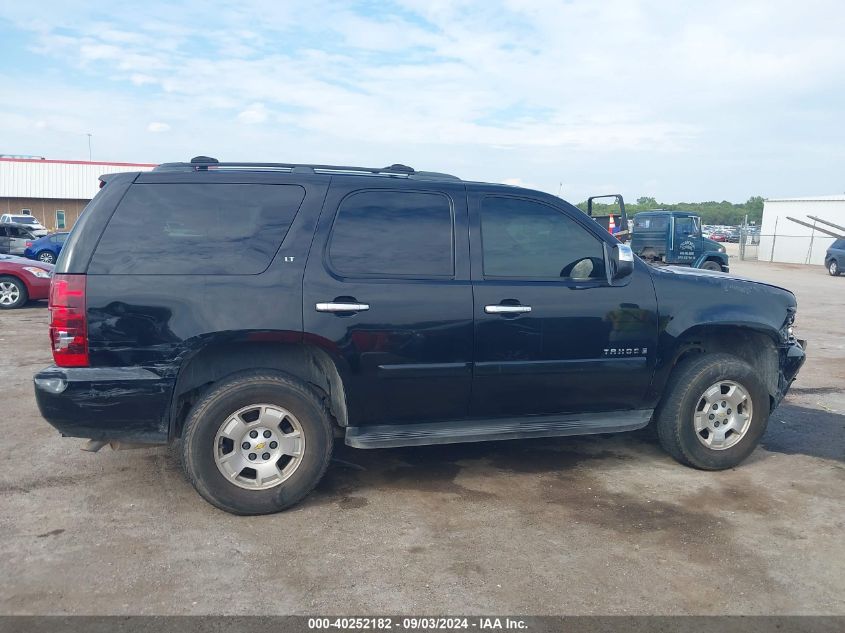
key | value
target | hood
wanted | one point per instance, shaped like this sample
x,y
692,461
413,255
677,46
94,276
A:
x,y
712,245
23,261
713,275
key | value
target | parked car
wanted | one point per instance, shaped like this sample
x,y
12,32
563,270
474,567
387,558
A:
x,y
718,236
390,307
46,249
834,259
22,280
16,238
28,220
732,235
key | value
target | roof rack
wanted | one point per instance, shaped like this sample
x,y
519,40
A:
x,y
206,163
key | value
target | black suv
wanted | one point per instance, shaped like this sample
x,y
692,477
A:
x,y
834,259
258,311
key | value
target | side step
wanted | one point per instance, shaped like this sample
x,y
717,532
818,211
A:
x,y
480,430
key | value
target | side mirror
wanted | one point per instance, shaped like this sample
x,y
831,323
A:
x,y
621,262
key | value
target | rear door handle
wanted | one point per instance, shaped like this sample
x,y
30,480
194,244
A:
x,y
333,306
506,309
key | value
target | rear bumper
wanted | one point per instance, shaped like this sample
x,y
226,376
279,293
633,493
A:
x,y
792,357
105,403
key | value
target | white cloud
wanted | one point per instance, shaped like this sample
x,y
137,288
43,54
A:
x,y
256,113
157,126
725,97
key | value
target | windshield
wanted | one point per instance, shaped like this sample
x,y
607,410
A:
x,y
24,219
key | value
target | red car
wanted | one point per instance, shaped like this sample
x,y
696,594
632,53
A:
x,y
719,237
23,280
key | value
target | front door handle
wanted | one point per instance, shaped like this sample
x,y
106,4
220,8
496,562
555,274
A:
x,y
335,306
506,309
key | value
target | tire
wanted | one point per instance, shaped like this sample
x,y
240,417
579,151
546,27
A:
x,y
711,265
833,268
203,445
676,415
13,293
46,256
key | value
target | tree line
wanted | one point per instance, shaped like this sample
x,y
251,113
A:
x,y
711,212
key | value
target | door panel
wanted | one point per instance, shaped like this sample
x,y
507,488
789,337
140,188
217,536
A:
x,y
686,240
402,257
585,345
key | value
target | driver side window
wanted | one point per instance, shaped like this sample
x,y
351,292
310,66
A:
x,y
528,239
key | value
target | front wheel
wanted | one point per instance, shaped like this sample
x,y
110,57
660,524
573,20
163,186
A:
x,y
12,293
714,412
257,443
833,268
711,265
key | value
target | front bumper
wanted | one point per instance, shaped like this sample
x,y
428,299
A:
x,y
792,357
105,403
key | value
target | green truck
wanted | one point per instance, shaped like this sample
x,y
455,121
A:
x,y
674,237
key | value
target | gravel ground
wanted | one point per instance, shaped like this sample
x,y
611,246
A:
x,y
595,525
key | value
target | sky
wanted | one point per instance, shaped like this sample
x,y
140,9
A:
x,y
680,101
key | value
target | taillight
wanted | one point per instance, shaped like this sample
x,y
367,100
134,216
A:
x,y
68,322
28,244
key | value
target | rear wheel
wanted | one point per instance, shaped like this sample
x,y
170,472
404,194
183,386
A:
x,y
47,257
711,265
714,412
833,268
257,443
13,293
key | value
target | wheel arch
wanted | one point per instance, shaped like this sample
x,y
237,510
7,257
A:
x,y
757,346
218,360
18,278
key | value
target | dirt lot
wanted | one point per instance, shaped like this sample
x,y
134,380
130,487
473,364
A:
x,y
605,525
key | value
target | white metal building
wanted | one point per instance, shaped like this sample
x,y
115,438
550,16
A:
x,y
782,240
54,191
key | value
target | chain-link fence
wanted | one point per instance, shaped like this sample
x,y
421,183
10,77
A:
x,y
794,249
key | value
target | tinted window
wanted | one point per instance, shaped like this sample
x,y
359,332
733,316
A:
x,y
59,238
184,229
388,233
529,239
839,244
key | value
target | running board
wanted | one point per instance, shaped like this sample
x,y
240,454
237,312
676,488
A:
x,y
390,435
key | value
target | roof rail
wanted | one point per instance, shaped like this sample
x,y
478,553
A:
x,y
206,163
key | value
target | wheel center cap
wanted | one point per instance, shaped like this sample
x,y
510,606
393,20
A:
x,y
259,446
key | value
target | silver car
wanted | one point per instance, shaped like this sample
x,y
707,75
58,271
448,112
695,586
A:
x,y
14,238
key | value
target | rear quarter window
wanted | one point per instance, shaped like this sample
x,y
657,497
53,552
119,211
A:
x,y
193,229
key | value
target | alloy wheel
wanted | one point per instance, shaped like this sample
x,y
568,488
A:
x,y
9,293
259,446
723,415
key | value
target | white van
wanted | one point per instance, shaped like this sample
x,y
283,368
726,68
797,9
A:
x,y
9,218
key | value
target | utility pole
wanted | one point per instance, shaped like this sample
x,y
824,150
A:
x,y
89,146
559,189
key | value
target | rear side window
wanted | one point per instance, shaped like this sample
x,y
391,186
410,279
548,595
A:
x,y
390,233
839,244
188,229
651,223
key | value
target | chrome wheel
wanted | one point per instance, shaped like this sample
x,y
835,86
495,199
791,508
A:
x,y
723,415
259,446
46,257
9,293
833,268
